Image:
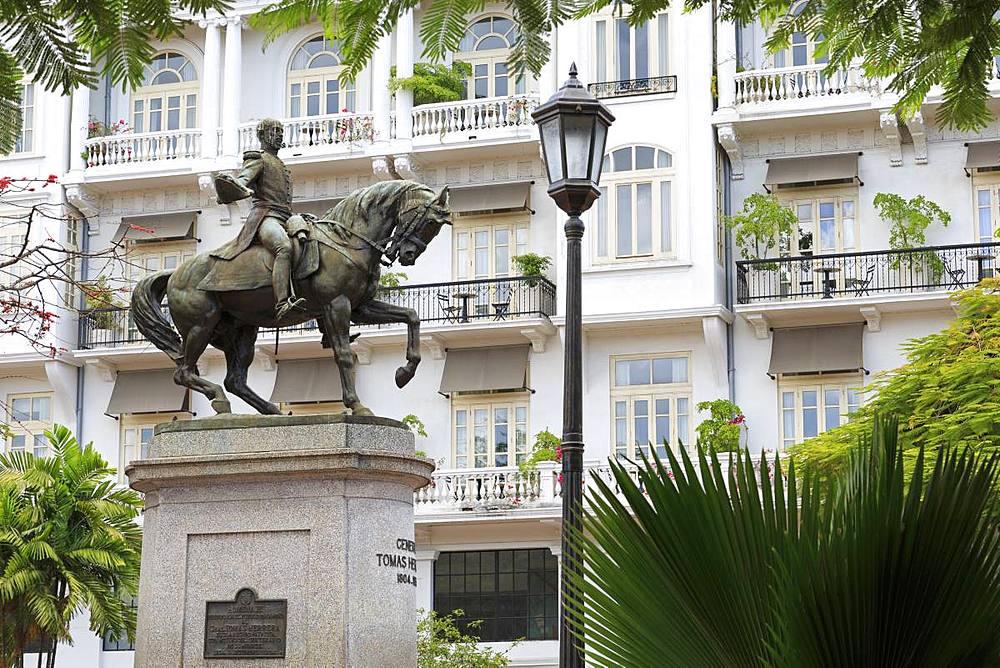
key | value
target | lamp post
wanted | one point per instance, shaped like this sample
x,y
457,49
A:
x,y
573,126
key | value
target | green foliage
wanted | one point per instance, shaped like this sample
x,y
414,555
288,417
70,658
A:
x,y
432,82
546,448
441,644
909,221
949,388
414,424
764,569
759,227
69,543
54,44
720,432
99,296
532,264
392,279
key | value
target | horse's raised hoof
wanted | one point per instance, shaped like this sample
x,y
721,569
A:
x,y
221,406
403,376
362,410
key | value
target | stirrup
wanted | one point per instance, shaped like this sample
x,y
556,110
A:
x,y
282,309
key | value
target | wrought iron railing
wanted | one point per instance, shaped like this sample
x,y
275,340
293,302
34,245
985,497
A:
x,y
926,269
626,87
456,303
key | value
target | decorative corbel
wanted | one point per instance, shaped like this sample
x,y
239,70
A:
x,y
382,167
890,130
538,335
362,351
406,166
730,142
77,195
918,131
434,344
873,317
107,371
759,322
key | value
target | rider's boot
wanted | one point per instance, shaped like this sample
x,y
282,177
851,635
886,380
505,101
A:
x,y
281,281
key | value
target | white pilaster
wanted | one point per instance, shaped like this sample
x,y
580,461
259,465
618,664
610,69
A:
x,y
380,89
210,88
726,70
404,68
548,81
79,116
425,578
231,85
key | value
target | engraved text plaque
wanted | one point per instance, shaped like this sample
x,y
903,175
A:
x,y
245,627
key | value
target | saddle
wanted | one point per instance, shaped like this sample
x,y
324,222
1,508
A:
x,y
251,269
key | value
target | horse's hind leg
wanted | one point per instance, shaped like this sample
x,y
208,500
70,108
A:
x,y
195,341
239,356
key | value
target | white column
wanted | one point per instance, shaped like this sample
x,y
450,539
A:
x,y
425,578
404,68
79,116
380,89
548,82
726,71
231,85
210,88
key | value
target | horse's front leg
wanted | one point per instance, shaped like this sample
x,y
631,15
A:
x,y
382,313
337,318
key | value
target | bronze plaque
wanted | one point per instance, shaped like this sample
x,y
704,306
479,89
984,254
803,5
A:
x,y
245,628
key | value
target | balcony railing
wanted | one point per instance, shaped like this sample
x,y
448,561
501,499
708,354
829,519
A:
x,y
626,87
344,130
927,269
795,83
467,116
142,147
456,303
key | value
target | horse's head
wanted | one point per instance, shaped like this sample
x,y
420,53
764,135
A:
x,y
419,225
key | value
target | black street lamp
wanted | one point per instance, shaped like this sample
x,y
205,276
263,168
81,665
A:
x,y
573,126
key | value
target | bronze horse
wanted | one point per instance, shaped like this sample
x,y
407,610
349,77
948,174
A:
x,y
373,226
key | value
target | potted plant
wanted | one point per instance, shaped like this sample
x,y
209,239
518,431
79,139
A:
x,y
389,285
721,430
532,266
103,310
909,220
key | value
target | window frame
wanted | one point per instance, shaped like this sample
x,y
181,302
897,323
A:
x,y
538,588
490,58
786,56
989,181
606,66
469,404
137,254
122,644
821,384
651,392
794,197
32,430
137,423
604,247
24,144
184,90
469,226
346,93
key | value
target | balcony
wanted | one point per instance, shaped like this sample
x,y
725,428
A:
x,y
629,87
863,275
144,148
483,119
324,136
450,305
802,89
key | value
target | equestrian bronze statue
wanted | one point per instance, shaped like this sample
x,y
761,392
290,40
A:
x,y
287,271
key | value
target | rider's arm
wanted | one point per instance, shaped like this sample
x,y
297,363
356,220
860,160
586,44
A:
x,y
252,165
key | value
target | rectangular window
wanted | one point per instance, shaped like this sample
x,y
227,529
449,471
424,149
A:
x,y
811,406
136,434
485,250
650,404
26,139
827,223
514,593
30,416
121,644
602,223
987,212
149,257
491,433
601,48
624,53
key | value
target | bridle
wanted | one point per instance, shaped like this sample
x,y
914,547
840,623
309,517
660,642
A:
x,y
389,247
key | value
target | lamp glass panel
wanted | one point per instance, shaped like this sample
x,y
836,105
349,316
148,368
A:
x,y
553,150
578,130
600,137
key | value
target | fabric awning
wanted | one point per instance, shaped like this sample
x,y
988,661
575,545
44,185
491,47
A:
x,y
156,226
812,171
307,381
816,349
316,207
147,392
489,198
982,154
485,369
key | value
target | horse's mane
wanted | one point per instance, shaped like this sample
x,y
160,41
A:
x,y
402,195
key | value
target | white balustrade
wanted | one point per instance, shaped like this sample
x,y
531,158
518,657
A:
x,y
471,115
793,83
347,129
132,148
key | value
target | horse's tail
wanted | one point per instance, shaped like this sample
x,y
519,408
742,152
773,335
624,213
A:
x,y
148,316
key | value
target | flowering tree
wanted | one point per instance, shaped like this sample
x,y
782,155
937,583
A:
x,y
35,258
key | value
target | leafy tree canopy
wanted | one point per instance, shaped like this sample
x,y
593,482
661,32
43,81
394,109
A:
x,y
442,644
433,82
761,224
949,389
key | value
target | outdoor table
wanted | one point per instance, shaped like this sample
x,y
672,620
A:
x,y
826,271
465,297
980,258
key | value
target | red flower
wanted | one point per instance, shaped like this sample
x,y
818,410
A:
x,y
52,178
140,228
739,419
560,478
559,453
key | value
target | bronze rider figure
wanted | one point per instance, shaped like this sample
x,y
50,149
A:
x,y
271,221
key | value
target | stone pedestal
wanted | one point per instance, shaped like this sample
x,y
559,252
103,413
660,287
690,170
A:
x,y
308,518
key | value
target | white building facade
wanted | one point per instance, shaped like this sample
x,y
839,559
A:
x,y
670,318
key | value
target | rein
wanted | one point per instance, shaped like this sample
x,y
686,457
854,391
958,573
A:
x,y
388,248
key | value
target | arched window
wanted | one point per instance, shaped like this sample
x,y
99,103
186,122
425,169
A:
x,y
168,97
486,47
314,85
801,48
634,212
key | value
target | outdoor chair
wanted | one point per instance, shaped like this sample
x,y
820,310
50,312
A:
x,y
862,286
955,274
451,311
501,301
